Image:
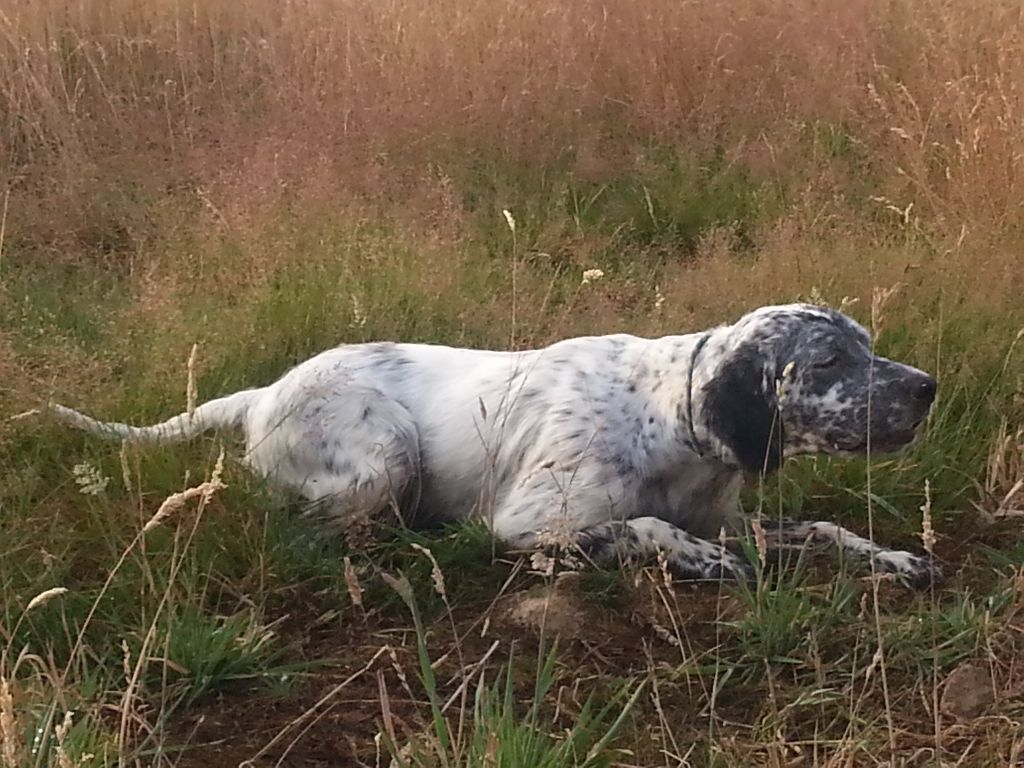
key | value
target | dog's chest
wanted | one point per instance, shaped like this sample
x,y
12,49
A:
x,y
699,496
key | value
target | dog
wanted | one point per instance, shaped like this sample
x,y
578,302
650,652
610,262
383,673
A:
x,y
620,446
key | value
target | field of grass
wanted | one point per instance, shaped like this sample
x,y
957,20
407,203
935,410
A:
x,y
198,195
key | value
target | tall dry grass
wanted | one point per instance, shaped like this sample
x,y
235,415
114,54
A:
x,y
929,91
167,138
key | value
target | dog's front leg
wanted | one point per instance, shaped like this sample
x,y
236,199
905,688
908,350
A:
x,y
915,570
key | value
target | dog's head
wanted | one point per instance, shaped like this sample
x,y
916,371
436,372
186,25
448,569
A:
x,y
802,379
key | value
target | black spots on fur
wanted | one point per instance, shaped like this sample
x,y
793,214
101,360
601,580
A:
x,y
631,387
529,394
385,357
742,414
685,567
565,414
606,541
335,467
650,419
623,464
615,349
598,540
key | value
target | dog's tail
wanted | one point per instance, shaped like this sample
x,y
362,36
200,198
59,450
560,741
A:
x,y
222,413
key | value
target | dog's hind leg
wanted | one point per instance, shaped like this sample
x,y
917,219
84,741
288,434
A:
x,y
353,453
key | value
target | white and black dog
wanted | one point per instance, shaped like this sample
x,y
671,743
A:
x,y
622,446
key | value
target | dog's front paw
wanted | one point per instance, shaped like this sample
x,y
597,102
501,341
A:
x,y
915,571
728,567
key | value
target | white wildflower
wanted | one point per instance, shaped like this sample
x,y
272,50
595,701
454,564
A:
x,y
659,298
509,219
591,276
89,479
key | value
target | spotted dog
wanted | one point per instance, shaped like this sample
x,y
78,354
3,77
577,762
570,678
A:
x,y
621,446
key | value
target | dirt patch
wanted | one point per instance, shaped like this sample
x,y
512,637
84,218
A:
x,y
558,609
332,716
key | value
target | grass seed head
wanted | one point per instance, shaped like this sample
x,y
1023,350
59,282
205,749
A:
x,y
191,393
509,219
355,589
927,532
8,726
44,597
436,576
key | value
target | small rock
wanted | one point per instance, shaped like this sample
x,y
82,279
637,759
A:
x,y
968,691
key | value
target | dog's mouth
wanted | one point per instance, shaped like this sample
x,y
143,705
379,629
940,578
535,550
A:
x,y
889,441
894,441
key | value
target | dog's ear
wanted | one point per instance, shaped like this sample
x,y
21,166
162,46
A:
x,y
740,406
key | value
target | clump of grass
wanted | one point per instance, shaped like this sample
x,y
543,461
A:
x,y
498,733
202,653
784,614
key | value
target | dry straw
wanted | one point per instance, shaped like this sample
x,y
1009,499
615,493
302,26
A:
x,y
61,731
191,393
3,226
510,220
176,501
355,589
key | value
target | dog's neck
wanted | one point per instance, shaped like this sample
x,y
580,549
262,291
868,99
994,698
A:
x,y
708,351
689,363
696,443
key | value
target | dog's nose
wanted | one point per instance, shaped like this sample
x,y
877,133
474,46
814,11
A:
x,y
924,389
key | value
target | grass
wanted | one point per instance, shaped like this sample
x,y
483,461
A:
x,y
267,180
497,734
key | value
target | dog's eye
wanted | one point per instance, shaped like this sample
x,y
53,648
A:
x,y
829,362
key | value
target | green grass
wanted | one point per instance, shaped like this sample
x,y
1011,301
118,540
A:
x,y
499,735
244,605
266,183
